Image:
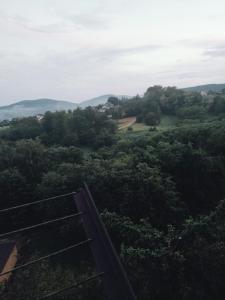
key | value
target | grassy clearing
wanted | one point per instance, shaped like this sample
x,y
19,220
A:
x,y
167,122
140,127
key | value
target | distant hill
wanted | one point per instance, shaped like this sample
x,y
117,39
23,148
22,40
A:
x,y
206,88
28,108
99,100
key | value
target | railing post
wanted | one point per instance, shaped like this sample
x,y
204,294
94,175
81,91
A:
x,y
115,281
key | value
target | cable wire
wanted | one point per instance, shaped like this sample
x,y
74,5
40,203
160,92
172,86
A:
x,y
72,286
35,202
3,235
46,257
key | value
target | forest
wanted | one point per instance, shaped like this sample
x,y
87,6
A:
x,y
160,191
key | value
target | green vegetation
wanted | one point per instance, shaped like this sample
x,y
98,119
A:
x,y
160,189
167,122
27,108
169,105
140,127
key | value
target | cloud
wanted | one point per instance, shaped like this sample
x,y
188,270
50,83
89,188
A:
x,y
62,24
85,62
102,57
89,21
113,53
218,51
2,55
202,43
76,49
53,28
137,49
71,23
210,48
13,20
189,75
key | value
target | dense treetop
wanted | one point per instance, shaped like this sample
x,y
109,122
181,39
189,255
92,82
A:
x,y
161,193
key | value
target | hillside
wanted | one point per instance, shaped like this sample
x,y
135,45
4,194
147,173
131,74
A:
x,y
33,107
206,88
96,101
27,108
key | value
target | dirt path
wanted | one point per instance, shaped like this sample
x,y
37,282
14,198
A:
x,y
126,122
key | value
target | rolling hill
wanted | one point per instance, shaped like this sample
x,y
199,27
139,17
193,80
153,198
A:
x,y
99,100
27,108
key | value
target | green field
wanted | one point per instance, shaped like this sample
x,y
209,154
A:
x,y
167,122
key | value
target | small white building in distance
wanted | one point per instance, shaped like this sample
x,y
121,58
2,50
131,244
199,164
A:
x,y
39,117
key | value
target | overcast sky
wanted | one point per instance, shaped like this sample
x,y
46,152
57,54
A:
x,y
79,49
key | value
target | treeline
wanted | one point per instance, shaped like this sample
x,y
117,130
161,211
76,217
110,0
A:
x,y
87,127
158,101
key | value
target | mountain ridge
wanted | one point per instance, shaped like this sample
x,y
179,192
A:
x,y
36,101
26,108
206,88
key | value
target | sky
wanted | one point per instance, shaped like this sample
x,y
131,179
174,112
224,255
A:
x,y
79,49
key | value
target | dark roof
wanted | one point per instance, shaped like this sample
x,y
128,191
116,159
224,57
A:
x,y
6,249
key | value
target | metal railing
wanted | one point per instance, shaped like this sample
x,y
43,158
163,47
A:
x,y
109,268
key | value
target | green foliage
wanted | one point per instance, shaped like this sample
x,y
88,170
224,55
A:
x,y
191,112
78,128
160,193
159,102
22,128
44,279
218,105
152,119
113,100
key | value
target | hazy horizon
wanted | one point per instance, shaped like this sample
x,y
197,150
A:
x,y
76,50
83,100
